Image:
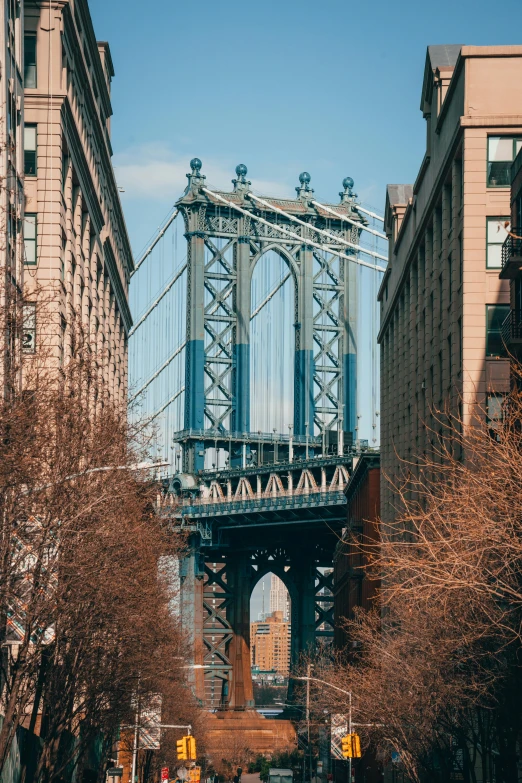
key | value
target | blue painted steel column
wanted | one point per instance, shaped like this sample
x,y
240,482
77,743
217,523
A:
x,y
195,350
241,416
350,350
304,354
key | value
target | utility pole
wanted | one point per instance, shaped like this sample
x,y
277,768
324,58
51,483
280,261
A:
x,y
308,669
135,743
350,732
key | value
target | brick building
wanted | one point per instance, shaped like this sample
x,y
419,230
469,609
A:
x,y
76,242
442,302
270,644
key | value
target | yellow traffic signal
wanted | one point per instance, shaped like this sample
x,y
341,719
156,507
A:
x,y
351,746
346,745
186,748
182,749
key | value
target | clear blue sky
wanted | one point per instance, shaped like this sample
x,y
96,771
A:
x,y
281,85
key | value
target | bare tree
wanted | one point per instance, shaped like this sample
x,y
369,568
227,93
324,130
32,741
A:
x,y
435,669
84,607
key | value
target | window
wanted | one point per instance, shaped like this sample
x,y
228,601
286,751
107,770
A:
x,y
30,60
449,205
495,316
438,227
30,236
63,327
461,260
494,412
29,328
502,151
30,150
496,233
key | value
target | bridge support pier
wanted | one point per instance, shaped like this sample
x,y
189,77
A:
x,y
303,606
191,610
241,694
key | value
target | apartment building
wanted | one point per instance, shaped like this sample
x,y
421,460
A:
x,y
442,302
11,178
270,644
76,242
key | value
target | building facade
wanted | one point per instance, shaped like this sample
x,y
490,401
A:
x,y
76,242
352,586
270,644
442,302
512,269
279,598
11,179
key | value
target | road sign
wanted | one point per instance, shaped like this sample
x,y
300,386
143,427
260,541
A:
x,y
339,728
182,773
164,774
195,774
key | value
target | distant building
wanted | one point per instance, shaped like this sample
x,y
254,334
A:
x,y
442,303
279,598
270,644
76,243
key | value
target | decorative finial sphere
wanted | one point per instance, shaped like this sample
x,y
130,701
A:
x,y
348,182
241,170
304,178
195,164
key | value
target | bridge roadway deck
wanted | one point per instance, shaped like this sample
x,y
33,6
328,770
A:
x,y
297,508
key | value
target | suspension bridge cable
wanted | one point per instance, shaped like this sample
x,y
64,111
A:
x,y
166,405
272,293
159,236
317,230
291,234
160,370
158,300
371,214
340,216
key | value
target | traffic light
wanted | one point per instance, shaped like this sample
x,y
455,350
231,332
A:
x,y
351,746
186,748
182,749
346,745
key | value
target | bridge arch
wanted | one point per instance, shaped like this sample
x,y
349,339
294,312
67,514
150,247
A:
x,y
273,298
283,253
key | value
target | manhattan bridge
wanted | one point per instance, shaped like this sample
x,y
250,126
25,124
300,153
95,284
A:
x,y
253,355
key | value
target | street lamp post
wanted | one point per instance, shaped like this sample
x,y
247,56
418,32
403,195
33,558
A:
x,y
336,688
308,678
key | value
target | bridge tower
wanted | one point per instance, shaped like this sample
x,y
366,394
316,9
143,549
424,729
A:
x,y
278,503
